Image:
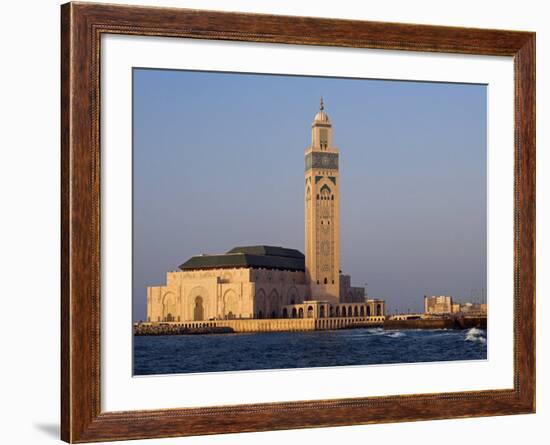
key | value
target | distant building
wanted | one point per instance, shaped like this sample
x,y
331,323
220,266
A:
x,y
475,309
438,305
258,282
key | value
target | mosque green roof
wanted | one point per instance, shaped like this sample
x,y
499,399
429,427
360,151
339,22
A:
x,y
258,257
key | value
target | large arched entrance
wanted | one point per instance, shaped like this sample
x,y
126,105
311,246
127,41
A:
x,y
230,304
273,304
198,310
260,304
197,300
169,307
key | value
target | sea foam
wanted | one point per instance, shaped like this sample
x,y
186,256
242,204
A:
x,y
475,334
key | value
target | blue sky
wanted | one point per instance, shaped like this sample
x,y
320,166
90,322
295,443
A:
x,y
219,162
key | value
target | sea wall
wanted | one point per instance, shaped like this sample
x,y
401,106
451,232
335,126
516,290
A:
x,y
473,322
437,323
421,323
255,325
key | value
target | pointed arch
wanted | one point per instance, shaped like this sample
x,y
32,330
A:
x,y
169,306
191,303
292,295
273,303
198,310
230,304
260,303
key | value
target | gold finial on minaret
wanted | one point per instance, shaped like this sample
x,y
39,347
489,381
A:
x,y
322,106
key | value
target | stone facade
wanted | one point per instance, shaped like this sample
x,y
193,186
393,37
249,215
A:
x,y
222,294
245,293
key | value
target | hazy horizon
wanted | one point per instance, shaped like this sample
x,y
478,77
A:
x,y
218,161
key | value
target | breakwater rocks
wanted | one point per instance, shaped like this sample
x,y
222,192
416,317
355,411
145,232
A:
x,y
178,329
438,323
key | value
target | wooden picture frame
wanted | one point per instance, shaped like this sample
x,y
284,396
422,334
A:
x,y
82,25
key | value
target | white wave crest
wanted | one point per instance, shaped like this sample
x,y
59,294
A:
x,y
475,334
375,331
395,334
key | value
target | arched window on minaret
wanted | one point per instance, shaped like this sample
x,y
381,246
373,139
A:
x,y
325,192
323,138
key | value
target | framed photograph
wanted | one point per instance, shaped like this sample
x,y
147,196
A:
x,y
274,222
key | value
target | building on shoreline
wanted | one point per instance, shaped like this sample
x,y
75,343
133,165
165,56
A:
x,y
444,305
438,305
441,312
257,282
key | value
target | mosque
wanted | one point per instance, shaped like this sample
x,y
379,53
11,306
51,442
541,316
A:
x,y
259,282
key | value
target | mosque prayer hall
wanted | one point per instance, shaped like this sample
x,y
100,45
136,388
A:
x,y
268,282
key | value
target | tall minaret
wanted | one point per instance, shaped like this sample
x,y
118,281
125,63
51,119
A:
x,y
322,214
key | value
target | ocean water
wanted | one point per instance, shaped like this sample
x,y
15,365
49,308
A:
x,y
275,350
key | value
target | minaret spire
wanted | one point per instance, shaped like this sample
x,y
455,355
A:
x,y
322,106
